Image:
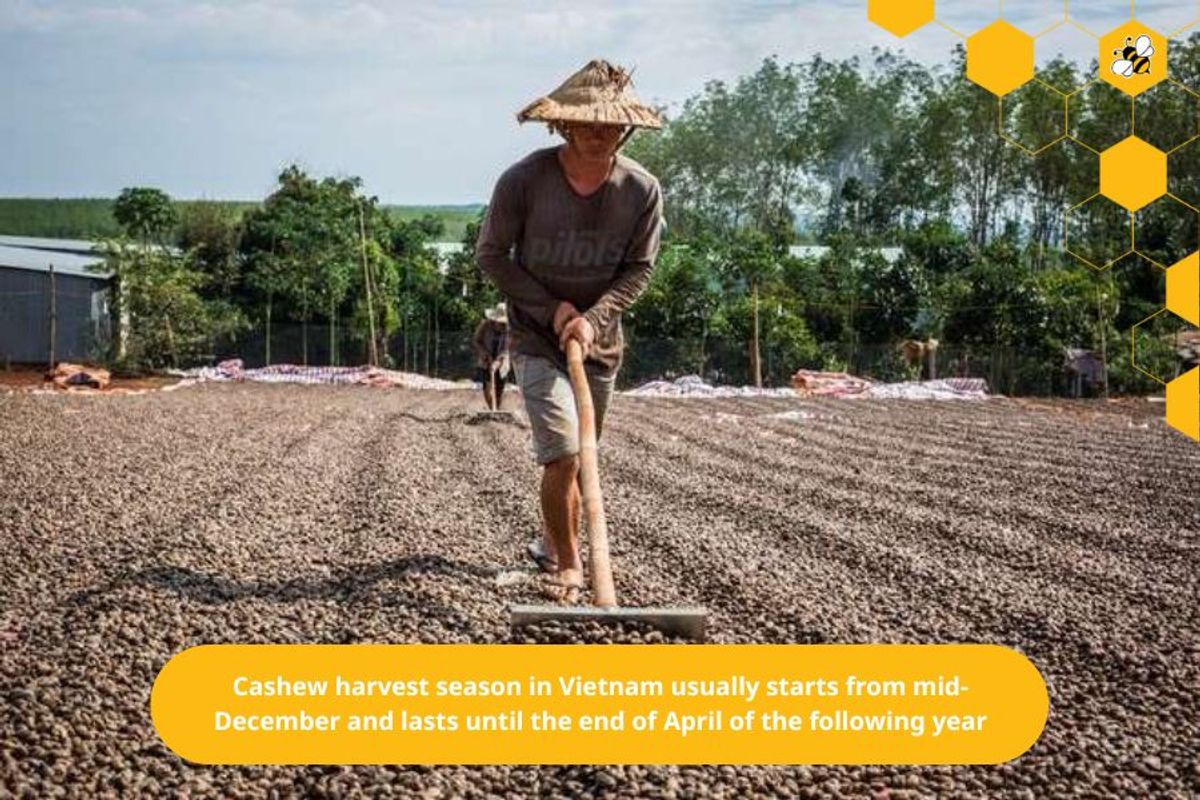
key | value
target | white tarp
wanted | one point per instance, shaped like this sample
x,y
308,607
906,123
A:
x,y
233,370
837,385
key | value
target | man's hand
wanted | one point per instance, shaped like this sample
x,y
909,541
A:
x,y
582,331
564,313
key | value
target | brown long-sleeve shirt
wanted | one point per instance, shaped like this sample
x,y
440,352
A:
x,y
543,243
490,342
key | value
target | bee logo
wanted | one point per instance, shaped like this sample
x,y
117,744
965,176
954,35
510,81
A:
x,y
1134,58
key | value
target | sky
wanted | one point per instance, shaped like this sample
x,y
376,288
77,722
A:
x,y
212,99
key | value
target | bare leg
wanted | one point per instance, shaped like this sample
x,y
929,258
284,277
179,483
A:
x,y
560,510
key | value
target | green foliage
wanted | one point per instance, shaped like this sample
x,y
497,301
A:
x,y
858,154
466,290
159,293
212,233
305,250
145,214
87,218
683,295
319,248
454,220
92,218
732,158
891,153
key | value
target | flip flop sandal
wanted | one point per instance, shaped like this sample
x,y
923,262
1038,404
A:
x,y
561,592
545,562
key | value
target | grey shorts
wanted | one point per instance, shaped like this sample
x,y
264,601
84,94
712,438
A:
x,y
550,404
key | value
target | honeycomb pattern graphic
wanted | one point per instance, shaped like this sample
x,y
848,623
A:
x,y
900,17
1000,58
1183,289
1134,173
1122,63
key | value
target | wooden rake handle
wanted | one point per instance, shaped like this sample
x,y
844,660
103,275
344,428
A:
x,y
603,592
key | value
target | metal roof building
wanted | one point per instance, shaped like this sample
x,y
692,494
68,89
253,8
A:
x,y
67,309
890,254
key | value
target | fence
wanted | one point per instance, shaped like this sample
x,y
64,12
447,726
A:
x,y
48,317
1006,369
448,355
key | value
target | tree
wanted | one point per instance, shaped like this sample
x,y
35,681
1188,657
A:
x,y
985,163
751,262
1033,116
678,307
212,233
145,214
422,285
860,126
168,322
304,244
466,290
733,156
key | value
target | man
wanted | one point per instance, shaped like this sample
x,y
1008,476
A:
x,y
490,344
570,238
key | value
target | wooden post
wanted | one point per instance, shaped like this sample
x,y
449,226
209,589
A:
x,y
755,357
53,316
362,234
270,292
268,342
1103,341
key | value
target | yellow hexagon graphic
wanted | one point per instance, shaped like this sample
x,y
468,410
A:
x,y
1133,57
901,17
1183,289
1183,404
1133,173
1000,58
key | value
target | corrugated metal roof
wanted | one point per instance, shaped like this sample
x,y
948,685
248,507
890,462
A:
x,y
40,261
80,246
890,254
447,248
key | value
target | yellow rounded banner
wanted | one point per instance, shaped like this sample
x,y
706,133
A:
x,y
599,704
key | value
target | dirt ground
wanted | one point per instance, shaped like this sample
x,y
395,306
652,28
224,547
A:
x,y
24,377
134,527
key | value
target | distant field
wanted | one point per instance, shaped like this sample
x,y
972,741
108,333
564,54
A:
x,y
455,218
91,218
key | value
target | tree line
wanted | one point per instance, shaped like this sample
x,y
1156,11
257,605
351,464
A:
x,y
92,217
191,284
861,154
858,155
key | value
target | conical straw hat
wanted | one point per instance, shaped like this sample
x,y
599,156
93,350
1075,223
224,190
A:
x,y
598,94
497,314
